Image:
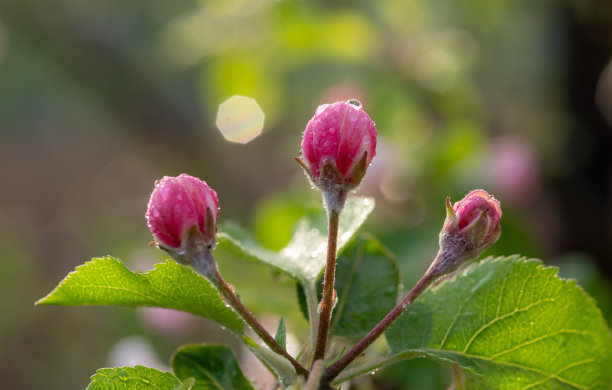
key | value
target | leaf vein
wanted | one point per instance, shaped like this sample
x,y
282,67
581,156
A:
x,y
535,340
503,363
204,371
493,321
518,302
501,294
555,375
576,364
450,326
120,288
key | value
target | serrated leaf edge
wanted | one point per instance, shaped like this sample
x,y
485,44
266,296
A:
x,y
136,367
433,352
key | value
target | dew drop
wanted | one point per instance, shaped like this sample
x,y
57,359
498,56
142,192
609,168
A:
x,y
354,102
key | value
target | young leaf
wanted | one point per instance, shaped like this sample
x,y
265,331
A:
x,y
187,384
279,365
133,378
107,281
304,256
212,366
510,323
281,333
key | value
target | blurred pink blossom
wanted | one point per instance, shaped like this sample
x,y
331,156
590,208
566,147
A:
x,y
512,169
134,350
166,321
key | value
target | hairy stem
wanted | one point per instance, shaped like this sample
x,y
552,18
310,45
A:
x,y
207,266
458,378
326,305
316,373
335,369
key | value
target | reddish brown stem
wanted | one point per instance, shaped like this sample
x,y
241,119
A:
x,y
209,269
326,305
335,369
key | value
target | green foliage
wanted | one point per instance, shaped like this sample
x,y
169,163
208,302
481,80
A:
x,y
367,284
304,256
510,323
107,281
274,219
133,378
281,333
281,367
212,367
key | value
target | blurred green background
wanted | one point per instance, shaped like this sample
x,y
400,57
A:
x,y
98,99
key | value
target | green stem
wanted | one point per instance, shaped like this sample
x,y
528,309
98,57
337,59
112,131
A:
x,y
207,266
326,305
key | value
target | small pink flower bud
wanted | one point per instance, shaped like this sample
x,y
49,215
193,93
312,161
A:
x,y
472,225
475,217
183,213
338,145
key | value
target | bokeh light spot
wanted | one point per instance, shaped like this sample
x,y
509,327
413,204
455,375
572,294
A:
x,y
240,119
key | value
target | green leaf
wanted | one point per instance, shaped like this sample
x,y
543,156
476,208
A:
x,y
281,333
279,365
212,366
132,378
304,256
510,323
107,281
367,284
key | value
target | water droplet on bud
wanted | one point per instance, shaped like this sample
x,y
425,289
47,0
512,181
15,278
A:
x,y
354,102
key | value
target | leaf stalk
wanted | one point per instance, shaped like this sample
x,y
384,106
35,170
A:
x,y
207,266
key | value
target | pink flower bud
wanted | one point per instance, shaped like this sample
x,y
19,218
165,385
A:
x,y
476,216
182,209
471,226
338,145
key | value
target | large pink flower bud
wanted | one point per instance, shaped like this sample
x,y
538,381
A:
x,y
182,214
338,145
472,225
